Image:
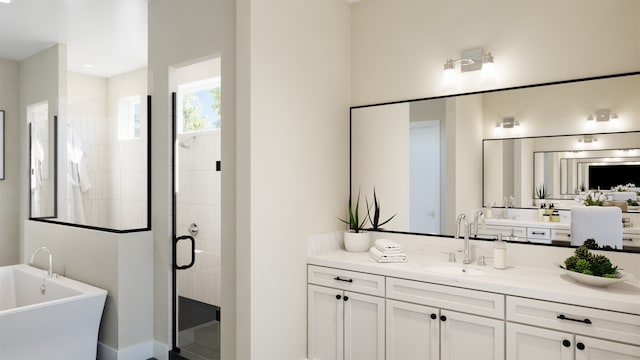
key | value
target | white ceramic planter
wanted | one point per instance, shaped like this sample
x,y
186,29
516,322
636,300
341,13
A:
x,y
357,242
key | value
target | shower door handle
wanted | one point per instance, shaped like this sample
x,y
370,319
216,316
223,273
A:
x,y
193,251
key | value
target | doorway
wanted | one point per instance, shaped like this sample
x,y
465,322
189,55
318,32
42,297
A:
x,y
196,105
424,177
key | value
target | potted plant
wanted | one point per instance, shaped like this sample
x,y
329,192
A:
x,y
541,195
375,220
355,238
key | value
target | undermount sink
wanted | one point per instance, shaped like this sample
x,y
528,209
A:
x,y
455,270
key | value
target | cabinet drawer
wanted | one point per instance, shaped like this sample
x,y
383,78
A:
x,y
346,280
534,234
520,233
446,297
561,235
576,319
630,241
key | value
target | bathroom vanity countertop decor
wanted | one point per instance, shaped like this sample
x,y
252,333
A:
x,y
529,223
548,284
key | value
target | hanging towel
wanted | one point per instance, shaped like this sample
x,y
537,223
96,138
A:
x,y
387,246
381,257
603,224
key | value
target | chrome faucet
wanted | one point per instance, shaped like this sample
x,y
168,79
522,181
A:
x,y
476,218
33,257
462,219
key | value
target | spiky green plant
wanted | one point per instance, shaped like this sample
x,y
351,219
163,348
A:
x,y
375,220
354,222
541,192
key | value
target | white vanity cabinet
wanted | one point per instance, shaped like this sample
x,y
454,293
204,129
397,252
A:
x,y
546,330
430,321
345,314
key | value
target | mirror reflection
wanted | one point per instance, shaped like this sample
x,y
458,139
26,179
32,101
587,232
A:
x,y
432,159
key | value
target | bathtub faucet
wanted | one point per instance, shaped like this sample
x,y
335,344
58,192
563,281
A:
x,y
33,257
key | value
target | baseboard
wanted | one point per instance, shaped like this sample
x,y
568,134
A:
x,y
141,351
160,351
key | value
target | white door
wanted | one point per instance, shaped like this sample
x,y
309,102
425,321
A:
x,y
325,323
413,331
595,349
533,343
424,177
464,336
363,327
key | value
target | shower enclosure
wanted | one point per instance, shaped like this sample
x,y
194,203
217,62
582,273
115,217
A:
x,y
196,209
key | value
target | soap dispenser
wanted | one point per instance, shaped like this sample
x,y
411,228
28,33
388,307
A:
x,y
499,253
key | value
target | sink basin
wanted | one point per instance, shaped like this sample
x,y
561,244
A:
x,y
455,270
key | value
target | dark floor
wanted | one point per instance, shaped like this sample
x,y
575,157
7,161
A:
x,y
199,331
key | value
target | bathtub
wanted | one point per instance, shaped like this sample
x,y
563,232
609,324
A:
x,y
60,324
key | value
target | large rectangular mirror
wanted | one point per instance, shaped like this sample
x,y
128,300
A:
x,y
431,159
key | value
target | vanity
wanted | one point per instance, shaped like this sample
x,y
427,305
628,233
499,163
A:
x,y
429,308
544,232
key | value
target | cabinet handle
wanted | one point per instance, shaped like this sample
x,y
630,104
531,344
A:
x,y
566,343
627,239
562,317
434,316
443,318
580,346
338,297
341,279
537,232
346,298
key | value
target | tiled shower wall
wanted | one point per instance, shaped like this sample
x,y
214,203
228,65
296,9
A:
x,y
198,201
117,169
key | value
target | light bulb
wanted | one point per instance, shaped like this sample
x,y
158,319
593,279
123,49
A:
x,y
449,77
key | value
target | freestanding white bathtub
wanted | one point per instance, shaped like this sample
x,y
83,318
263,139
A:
x,y
61,324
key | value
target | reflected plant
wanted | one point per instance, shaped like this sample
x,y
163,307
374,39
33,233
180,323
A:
x,y
375,220
541,192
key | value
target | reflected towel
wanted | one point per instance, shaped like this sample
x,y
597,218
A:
x,y
603,224
379,256
387,246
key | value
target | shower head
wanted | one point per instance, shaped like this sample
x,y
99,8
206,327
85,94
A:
x,y
186,143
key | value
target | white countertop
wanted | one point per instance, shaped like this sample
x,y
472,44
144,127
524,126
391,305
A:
x,y
548,284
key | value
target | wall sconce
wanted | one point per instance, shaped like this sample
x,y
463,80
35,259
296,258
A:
x,y
507,123
470,60
587,139
602,115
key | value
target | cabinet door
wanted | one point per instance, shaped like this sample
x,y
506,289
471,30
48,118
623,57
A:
x,y
325,323
595,349
413,331
533,343
363,327
464,336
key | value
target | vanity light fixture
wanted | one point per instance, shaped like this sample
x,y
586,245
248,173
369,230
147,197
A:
x,y
508,123
602,115
587,139
470,60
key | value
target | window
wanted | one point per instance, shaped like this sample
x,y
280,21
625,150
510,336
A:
x,y
129,125
199,106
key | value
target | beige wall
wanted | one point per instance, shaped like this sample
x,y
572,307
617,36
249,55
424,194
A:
x,y
399,47
294,88
9,212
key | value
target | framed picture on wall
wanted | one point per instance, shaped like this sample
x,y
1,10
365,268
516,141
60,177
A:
x,y
1,144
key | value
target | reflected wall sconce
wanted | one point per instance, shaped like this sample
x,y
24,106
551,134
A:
x,y
587,139
602,115
470,60
508,123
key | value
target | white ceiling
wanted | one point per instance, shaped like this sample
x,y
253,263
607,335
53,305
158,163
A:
x,y
110,35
